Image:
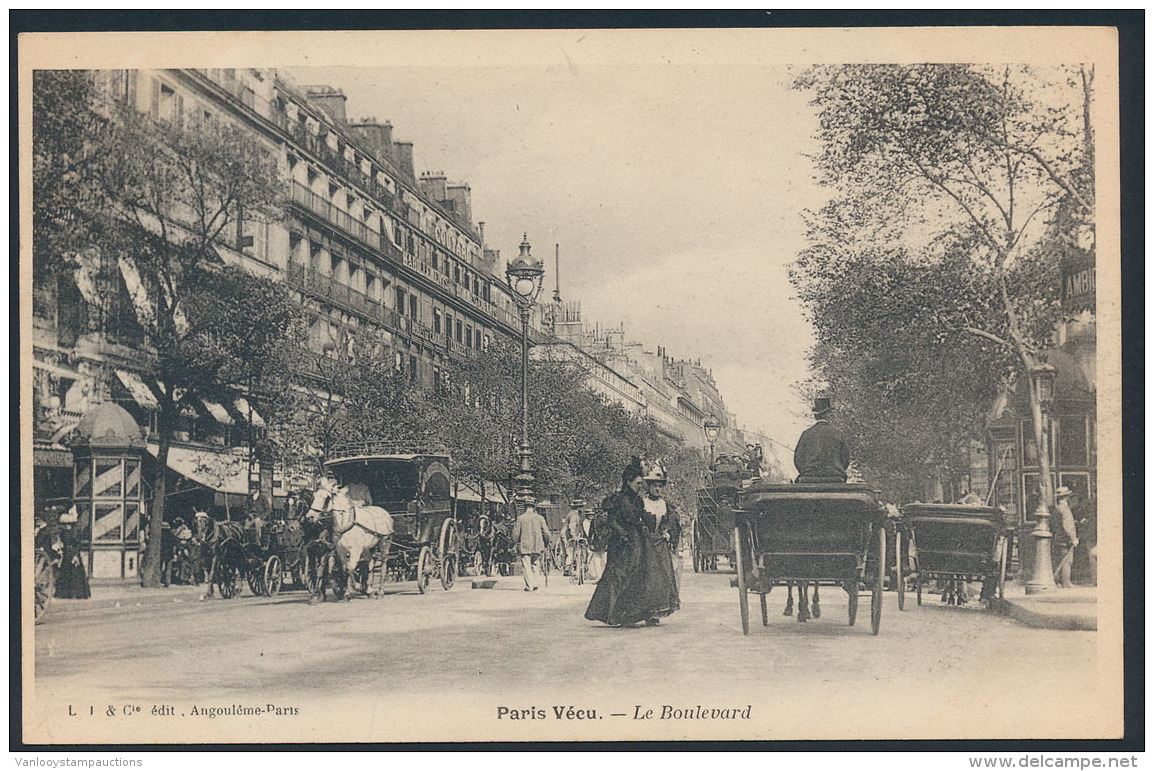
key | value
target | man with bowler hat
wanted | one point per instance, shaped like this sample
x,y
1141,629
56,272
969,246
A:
x,y
821,455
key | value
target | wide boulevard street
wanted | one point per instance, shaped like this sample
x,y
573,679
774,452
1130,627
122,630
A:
x,y
473,664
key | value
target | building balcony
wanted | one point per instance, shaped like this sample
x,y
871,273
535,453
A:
x,y
345,297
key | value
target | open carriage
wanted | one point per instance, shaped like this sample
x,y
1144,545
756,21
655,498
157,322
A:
x,y
412,483
811,534
956,544
275,557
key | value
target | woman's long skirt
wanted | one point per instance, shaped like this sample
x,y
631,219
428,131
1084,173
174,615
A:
x,y
637,584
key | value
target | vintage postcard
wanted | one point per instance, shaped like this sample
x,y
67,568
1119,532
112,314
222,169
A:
x,y
570,385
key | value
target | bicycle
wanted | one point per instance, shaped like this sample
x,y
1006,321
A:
x,y
580,561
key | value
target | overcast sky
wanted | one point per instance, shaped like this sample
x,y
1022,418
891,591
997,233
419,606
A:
x,y
674,191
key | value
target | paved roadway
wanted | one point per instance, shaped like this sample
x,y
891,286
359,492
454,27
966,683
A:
x,y
441,666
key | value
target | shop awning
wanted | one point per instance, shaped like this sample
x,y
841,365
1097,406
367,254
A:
x,y
219,413
243,408
225,472
137,388
57,371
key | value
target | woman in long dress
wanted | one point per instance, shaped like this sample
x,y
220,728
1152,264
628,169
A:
x,y
72,581
637,584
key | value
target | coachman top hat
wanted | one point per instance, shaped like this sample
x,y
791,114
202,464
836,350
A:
x,y
822,405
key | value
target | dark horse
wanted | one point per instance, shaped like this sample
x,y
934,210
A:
x,y
804,610
496,545
222,548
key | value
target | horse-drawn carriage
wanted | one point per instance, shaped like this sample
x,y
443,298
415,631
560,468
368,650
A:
x,y
391,514
713,527
956,544
803,535
275,555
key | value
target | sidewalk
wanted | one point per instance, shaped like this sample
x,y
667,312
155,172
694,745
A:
x,y
123,594
1074,609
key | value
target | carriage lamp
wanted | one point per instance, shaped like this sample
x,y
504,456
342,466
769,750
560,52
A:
x,y
712,429
1042,377
524,275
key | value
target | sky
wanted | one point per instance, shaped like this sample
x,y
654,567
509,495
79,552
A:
x,y
675,192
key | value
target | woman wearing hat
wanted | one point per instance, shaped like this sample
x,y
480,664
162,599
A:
x,y
663,521
72,581
637,584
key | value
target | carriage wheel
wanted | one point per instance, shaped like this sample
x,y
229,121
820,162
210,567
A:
x,y
852,590
449,548
901,576
254,574
312,581
879,583
226,584
478,563
741,589
273,576
45,584
424,569
449,571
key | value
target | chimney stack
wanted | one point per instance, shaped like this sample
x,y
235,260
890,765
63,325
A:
x,y
462,199
404,158
432,184
331,100
378,137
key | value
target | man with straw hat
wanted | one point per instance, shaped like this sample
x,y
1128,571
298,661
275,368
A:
x,y
1067,538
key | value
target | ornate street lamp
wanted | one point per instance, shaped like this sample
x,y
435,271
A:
x,y
1042,376
524,275
712,429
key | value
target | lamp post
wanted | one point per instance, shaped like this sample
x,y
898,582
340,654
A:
x,y
524,276
1042,376
712,428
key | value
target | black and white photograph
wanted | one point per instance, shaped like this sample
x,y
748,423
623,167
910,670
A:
x,y
585,385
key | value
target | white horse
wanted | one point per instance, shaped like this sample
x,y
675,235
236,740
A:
x,y
357,529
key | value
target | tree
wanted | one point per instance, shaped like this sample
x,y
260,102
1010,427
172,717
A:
x,y
67,198
967,168
173,192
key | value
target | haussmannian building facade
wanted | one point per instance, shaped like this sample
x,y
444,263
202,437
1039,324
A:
x,y
371,248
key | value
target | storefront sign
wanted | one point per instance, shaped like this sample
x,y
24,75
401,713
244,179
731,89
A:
x,y
1078,282
52,458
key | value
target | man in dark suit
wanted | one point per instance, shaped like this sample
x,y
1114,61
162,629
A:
x,y
821,454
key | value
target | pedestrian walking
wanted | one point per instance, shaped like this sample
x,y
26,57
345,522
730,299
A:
x,y
1067,537
531,536
72,581
821,455
597,532
637,585
666,523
